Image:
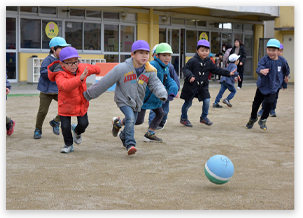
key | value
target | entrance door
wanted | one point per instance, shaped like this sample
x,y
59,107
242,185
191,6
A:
x,y
288,54
11,50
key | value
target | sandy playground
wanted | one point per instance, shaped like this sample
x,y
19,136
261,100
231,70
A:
x,y
99,175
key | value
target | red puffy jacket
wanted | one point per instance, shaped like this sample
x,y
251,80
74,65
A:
x,y
71,101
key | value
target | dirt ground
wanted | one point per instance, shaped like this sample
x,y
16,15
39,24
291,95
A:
x,y
99,175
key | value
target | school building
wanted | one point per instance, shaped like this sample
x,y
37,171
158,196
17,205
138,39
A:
x,y
102,33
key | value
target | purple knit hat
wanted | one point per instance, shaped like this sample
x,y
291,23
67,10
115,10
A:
x,y
140,45
203,42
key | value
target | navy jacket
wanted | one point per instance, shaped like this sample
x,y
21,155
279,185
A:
x,y
230,80
175,77
278,69
200,69
44,84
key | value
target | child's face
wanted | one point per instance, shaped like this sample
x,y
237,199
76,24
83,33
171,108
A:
x,y
70,64
164,57
57,52
203,52
237,62
140,57
280,53
272,53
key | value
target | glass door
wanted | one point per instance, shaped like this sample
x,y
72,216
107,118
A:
x,y
248,66
11,49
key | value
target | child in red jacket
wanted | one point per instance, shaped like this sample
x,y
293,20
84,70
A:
x,y
70,77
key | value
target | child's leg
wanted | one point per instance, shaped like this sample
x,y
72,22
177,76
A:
x,y
187,104
82,124
269,101
151,116
128,132
259,97
165,108
140,117
45,101
232,92
205,108
221,92
66,130
156,121
275,104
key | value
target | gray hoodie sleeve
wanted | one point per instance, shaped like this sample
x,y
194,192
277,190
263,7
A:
x,y
156,86
103,84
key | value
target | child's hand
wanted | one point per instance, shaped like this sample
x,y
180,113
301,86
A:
x,y
7,91
192,79
286,79
84,74
240,63
264,71
233,72
177,96
239,78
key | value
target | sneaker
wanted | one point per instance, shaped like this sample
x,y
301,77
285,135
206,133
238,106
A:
x,y
250,123
262,124
131,150
37,134
161,125
216,105
225,101
186,122
77,138
67,149
55,126
122,140
151,138
238,87
206,121
260,113
116,127
10,127
272,114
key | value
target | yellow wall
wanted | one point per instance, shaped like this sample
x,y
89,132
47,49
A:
x,y
259,33
24,56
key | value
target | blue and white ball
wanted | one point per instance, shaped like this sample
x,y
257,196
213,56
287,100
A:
x,y
219,169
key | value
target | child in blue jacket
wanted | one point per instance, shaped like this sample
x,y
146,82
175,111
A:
x,y
228,82
48,90
160,62
272,70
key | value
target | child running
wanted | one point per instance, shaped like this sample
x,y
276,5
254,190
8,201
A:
x,y
132,77
160,62
272,112
228,82
272,70
70,76
196,73
48,89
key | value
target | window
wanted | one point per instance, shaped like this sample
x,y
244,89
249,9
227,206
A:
x,y
77,12
92,36
227,26
95,14
237,26
191,41
48,10
10,33
73,34
248,27
227,38
175,40
215,42
131,17
46,37
110,58
11,8
201,23
30,33
190,22
111,15
124,57
29,9
162,35
178,21
127,38
11,65
111,38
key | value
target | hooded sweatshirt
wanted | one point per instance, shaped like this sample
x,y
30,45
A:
x,y
130,89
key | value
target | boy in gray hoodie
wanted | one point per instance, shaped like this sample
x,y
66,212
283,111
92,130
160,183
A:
x,y
131,78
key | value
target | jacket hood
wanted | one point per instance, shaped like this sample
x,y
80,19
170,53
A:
x,y
148,66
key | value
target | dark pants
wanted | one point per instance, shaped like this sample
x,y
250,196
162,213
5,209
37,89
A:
x,y
269,101
155,122
275,104
66,128
240,70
